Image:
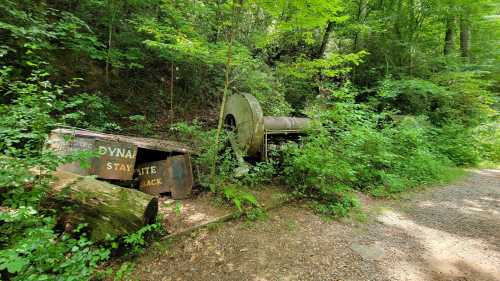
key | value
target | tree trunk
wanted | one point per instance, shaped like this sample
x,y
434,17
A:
x,y
106,208
326,37
110,37
464,37
449,37
237,4
172,93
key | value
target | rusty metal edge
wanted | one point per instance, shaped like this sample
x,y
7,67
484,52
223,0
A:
x,y
161,145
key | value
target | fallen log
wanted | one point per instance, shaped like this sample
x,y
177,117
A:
x,y
107,209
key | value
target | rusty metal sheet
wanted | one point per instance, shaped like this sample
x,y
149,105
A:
x,y
64,145
181,176
171,175
116,160
152,177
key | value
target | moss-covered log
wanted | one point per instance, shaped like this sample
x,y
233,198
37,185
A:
x,y
104,207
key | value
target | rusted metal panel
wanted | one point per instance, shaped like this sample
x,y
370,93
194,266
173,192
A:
x,y
181,176
64,145
171,175
152,177
116,160
117,155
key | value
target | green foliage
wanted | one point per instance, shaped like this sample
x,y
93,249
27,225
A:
x,y
35,252
203,140
259,174
455,106
124,272
349,148
471,98
30,247
90,111
239,197
259,80
140,125
458,143
227,185
137,240
488,138
24,122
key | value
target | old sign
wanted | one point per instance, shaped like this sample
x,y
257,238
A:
x,y
153,176
171,175
116,160
64,145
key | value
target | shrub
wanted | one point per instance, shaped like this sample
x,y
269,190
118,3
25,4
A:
x,y
226,185
351,147
30,246
457,143
36,252
488,138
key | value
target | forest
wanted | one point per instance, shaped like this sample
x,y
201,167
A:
x,y
401,94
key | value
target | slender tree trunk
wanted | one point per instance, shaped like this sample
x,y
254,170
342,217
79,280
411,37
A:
x,y
227,74
324,42
449,37
464,37
397,31
218,16
411,36
172,93
110,36
358,17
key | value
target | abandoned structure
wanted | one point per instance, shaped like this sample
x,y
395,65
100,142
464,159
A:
x,y
159,166
255,134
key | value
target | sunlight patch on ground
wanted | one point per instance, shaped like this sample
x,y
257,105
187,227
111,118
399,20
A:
x,y
406,271
443,251
197,217
485,206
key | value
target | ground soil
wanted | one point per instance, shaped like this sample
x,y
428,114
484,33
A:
x,y
443,233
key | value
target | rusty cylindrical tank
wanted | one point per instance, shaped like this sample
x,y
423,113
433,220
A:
x,y
243,114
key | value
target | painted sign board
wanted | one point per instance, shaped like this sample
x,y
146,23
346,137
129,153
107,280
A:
x,y
171,175
116,160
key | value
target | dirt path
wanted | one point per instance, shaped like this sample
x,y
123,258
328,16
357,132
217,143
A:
x,y
445,233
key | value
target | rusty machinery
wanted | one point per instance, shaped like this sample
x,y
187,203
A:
x,y
255,134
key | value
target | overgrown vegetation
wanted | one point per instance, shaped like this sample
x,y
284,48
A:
x,y
400,92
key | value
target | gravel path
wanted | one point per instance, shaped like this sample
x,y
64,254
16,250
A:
x,y
449,233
